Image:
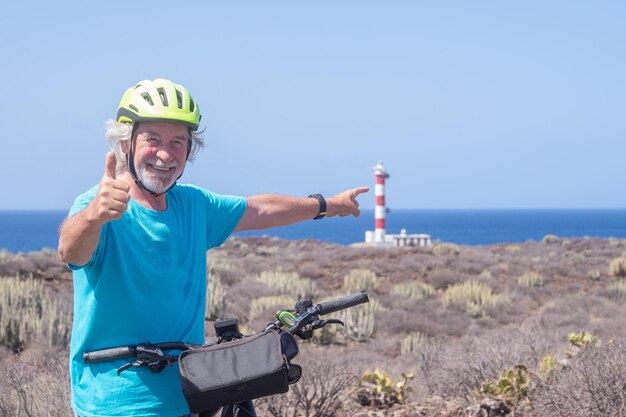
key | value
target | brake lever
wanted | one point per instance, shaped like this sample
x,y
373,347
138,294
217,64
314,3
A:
x,y
137,363
318,324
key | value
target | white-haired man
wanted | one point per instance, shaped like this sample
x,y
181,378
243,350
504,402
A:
x,y
137,244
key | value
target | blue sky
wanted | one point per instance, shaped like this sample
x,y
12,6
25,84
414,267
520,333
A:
x,y
481,104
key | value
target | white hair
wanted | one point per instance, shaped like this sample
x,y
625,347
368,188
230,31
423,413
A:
x,y
117,132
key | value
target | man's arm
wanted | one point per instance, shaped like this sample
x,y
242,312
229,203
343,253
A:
x,y
80,234
270,210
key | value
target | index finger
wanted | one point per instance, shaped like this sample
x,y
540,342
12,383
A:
x,y
360,190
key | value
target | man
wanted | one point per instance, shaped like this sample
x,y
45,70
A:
x,y
137,244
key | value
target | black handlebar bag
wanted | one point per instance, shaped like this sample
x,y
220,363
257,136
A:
x,y
239,370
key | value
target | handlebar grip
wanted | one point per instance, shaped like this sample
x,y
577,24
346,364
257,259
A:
x,y
109,354
343,302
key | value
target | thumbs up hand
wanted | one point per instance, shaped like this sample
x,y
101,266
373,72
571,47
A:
x,y
112,197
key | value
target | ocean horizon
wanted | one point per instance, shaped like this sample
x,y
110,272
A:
x,y
34,230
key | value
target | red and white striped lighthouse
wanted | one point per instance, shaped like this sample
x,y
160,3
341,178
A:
x,y
380,211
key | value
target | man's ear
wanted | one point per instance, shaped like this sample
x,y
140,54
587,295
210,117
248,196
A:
x,y
125,144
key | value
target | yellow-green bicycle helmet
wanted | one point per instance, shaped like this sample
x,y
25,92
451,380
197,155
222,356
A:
x,y
159,101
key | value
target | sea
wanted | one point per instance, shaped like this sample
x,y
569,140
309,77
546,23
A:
x,y
27,231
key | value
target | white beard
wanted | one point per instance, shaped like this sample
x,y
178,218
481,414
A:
x,y
157,181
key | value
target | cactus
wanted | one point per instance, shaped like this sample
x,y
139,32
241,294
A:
x,y
594,274
413,342
359,320
261,304
580,341
360,279
379,390
583,340
28,311
511,385
289,283
215,298
617,267
547,365
414,290
619,288
446,249
530,279
550,239
475,296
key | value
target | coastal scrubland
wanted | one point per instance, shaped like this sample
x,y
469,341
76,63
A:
x,y
524,329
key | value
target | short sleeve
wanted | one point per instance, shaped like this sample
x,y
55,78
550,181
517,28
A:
x,y
223,215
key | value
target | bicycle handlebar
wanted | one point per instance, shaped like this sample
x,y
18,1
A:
x,y
342,303
125,352
155,351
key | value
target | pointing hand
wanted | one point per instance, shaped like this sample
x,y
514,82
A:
x,y
345,204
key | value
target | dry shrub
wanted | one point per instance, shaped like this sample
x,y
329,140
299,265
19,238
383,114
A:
x,y
462,367
617,292
41,264
323,391
592,385
443,278
34,389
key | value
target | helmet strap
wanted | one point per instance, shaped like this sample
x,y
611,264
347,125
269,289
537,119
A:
x,y
130,162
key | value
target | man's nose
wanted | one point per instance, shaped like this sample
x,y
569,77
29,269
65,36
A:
x,y
164,155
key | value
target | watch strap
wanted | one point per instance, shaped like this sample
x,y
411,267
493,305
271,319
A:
x,y
322,212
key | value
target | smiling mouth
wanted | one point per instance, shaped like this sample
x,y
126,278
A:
x,y
161,168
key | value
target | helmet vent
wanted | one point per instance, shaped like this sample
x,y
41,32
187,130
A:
x,y
132,106
147,97
192,105
179,99
163,96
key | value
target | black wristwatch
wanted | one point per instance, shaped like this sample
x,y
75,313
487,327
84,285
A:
x,y
322,201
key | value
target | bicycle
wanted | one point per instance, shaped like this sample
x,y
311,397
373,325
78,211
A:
x,y
301,321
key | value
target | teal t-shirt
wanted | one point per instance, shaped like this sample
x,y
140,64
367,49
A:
x,y
146,282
